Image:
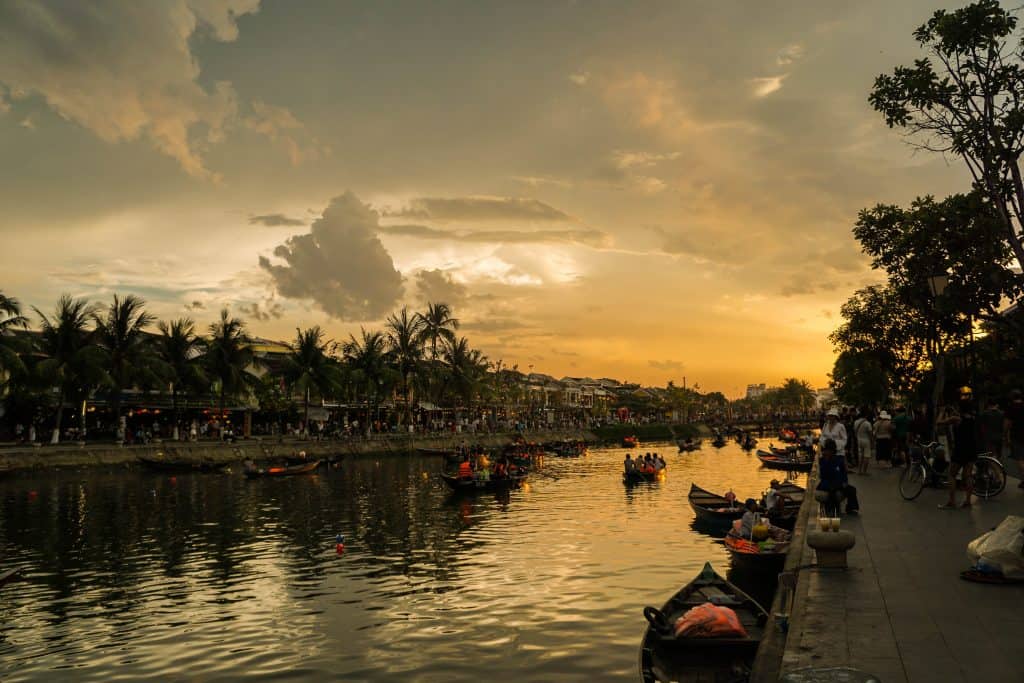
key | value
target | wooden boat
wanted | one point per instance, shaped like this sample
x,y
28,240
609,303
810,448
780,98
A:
x,y
711,508
638,477
752,555
463,485
282,471
718,442
170,465
688,445
630,442
781,463
664,657
788,435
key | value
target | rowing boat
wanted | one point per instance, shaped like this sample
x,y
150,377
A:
x,y
767,556
282,471
467,485
638,477
665,657
779,463
712,508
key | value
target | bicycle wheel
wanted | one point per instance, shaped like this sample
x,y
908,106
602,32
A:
x,y
989,477
912,481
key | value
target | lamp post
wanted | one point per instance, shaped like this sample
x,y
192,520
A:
x,y
937,286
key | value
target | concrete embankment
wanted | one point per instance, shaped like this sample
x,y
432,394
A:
x,y
74,455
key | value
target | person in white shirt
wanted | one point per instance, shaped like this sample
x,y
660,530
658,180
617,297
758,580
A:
x,y
864,432
833,429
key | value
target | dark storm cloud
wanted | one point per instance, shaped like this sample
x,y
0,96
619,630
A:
x,y
274,220
482,209
340,264
267,311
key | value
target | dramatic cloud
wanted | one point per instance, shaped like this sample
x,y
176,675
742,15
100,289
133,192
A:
x,y
587,236
482,209
275,220
437,286
340,264
124,70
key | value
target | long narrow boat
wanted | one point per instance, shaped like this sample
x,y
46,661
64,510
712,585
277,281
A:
x,y
437,451
169,465
463,485
638,477
282,471
768,556
790,464
664,657
712,508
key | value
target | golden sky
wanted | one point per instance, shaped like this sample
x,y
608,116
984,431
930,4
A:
x,y
645,190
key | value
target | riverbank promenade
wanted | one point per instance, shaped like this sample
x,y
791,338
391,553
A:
x,y
901,611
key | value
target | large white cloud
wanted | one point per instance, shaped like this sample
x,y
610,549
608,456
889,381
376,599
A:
x,y
340,264
124,70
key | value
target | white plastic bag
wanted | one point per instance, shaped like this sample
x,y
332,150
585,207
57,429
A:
x,y
1003,547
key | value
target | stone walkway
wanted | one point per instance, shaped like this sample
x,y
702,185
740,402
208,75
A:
x,y
900,611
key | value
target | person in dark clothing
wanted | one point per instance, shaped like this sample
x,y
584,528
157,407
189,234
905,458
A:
x,y
832,480
964,423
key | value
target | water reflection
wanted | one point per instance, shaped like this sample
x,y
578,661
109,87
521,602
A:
x,y
136,575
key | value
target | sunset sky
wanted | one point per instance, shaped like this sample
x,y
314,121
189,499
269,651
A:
x,y
640,190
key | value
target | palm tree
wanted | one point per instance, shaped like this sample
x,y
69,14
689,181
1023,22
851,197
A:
x,y
10,346
367,357
437,326
405,345
309,367
72,363
120,331
465,368
179,348
228,355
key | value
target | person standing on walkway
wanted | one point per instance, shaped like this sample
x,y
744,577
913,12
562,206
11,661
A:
x,y
1013,432
965,447
883,438
900,435
833,429
864,433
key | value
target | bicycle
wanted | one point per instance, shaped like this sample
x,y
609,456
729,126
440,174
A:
x,y
928,466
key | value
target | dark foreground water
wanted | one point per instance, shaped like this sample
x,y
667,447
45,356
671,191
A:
x,y
136,575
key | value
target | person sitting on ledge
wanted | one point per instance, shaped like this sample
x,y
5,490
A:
x,y
832,480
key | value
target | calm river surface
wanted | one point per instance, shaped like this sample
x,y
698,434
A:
x,y
136,575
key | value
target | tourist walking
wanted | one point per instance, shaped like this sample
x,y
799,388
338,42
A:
x,y
864,433
833,429
883,438
900,435
1013,431
963,422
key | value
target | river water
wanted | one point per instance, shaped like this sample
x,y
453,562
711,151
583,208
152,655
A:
x,y
133,575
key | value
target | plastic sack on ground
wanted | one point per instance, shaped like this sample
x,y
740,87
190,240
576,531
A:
x,y
1001,549
709,621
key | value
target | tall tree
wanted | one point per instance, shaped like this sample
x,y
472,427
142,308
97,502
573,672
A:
x,y
405,345
309,368
180,350
228,355
11,347
438,326
367,357
967,98
465,369
120,332
72,363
